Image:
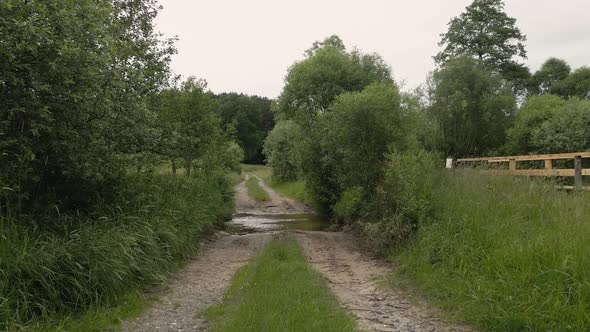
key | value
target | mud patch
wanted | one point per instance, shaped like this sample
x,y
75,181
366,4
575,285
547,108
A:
x,y
250,223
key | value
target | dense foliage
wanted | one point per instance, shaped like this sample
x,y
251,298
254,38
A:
x,y
88,261
472,108
74,72
88,116
249,118
283,150
312,85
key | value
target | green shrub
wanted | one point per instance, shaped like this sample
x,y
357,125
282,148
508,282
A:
x,y
92,260
282,149
351,204
403,200
347,147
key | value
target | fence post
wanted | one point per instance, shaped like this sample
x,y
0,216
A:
x,y
578,170
450,162
512,165
548,164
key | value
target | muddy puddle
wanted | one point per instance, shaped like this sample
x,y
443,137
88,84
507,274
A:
x,y
252,223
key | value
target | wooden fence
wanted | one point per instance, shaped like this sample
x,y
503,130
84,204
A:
x,y
577,172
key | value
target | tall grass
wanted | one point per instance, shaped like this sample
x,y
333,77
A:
x,y
278,291
508,254
82,261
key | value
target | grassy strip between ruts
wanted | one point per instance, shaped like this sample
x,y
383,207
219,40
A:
x,y
278,291
255,190
295,189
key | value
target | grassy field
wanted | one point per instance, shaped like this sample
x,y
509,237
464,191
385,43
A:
x,y
505,253
278,291
88,267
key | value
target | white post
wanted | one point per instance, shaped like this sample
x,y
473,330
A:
x,y
449,163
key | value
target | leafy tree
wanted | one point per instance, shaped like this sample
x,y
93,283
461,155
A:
x,y
472,108
251,118
567,130
312,84
524,132
282,149
551,72
332,41
484,31
353,138
198,125
577,84
74,75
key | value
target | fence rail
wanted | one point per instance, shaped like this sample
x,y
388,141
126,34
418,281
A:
x,y
578,172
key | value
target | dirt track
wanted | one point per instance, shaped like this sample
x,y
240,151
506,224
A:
x,y
351,275
198,285
355,280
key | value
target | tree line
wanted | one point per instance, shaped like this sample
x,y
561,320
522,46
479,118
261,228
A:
x,y
342,120
87,95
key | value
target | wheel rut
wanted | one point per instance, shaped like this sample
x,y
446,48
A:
x,y
353,277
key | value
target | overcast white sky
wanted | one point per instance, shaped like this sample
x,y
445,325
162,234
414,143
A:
x,y
248,45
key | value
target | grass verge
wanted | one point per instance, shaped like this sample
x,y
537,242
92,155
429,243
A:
x,y
505,253
255,190
278,291
59,271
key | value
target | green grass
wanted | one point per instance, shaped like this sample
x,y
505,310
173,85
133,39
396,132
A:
x,y
295,190
505,253
236,178
96,318
278,291
72,265
255,190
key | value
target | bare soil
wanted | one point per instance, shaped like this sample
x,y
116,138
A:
x,y
357,281
200,284
351,275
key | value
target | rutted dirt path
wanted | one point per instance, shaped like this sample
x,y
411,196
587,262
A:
x,y
355,280
203,281
276,205
198,285
352,276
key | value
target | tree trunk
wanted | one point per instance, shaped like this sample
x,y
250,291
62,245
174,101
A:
x,y
173,168
187,166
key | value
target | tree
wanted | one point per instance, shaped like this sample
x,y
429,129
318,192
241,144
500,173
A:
x,y
73,76
472,108
332,41
485,32
577,84
251,118
312,85
567,130
522,136
282,149
199,126
345,156
551,73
